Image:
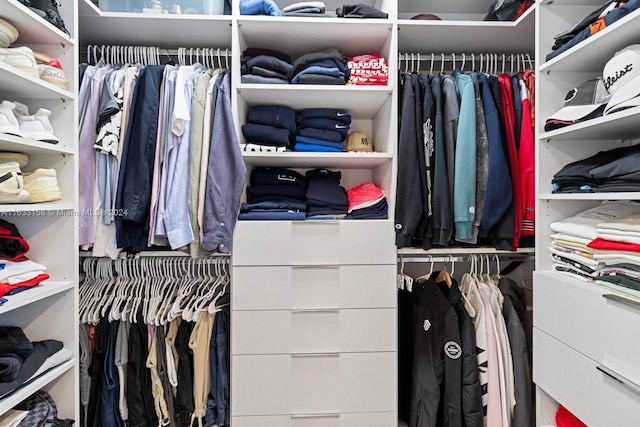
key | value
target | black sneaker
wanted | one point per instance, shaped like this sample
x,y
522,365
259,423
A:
x,y
48,10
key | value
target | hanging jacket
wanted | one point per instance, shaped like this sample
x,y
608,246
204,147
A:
x,y
409,208
526,160
513,310
427,153
440,201
472,414
437,362
451,111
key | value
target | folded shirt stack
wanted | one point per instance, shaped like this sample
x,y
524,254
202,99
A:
x,y
21,360
17,272
275,194
599,19
259,65
368,70
312,9
324,67
269,126
367,201
326,198
322,130
616,170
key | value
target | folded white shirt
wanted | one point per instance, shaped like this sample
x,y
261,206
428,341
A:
x,y
12,269
628,223
584,224
603,229
620,238
617,258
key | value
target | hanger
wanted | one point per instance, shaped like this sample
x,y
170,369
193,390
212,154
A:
x,y
464,60
431,66
453,61
419,60
531,66
404,280
442,63
445,276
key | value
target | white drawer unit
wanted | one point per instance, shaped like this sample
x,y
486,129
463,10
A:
x,y
599,394
299,384
314,286
313,242
371,419
310,330
592,320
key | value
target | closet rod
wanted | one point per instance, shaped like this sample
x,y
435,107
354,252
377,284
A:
x,y
153,54
484,60
157,254
464,258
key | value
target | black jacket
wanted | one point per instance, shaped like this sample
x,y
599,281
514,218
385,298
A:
x,y
472,413
437,362
513,310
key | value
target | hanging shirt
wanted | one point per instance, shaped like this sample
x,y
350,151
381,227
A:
x,y
526,161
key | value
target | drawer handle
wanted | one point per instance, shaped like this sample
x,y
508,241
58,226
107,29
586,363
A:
x,y
315,310
619,378
318,415
621,299
327,354
324,266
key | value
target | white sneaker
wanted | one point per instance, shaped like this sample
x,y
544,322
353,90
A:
x,y
12,184
8,34
42,185
21,58
8,120
53,75
36,127
21,158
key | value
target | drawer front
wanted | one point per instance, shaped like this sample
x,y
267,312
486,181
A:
x,y
302,287
313,384
313,331
579,315
371,419
575,381
314,242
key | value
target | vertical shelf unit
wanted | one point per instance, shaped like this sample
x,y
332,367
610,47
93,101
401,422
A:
x,y
584,356
323,292
50,310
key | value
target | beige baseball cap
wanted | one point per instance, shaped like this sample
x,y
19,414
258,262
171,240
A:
x,y
359,141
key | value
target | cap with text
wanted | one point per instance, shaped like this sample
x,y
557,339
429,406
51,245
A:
x,y
621,78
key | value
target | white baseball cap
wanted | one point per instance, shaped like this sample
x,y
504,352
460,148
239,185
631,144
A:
x,y
621,78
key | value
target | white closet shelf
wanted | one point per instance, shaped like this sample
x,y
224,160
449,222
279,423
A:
x,y
620,125
596,3
38,209
350,36
19,85
445,36
32,28
37,293
30,146
40,382
140,29
589,196
345,160
593,53
443,6
362,102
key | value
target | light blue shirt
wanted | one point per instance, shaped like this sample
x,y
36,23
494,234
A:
x,y
177,220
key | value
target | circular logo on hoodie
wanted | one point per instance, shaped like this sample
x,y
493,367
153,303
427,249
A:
x,y
453,350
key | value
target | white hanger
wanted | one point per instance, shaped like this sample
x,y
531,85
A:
x,y
453,61
531,66
418,69
431,66
442,63
464,60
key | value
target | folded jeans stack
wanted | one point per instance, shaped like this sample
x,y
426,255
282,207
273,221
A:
x,y
322,130
266,66
274,194
269,126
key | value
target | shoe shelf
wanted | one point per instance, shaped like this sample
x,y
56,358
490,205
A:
x,y
138,29
46,209
30,146
16,84
427,36
37,293
32,28
41,382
